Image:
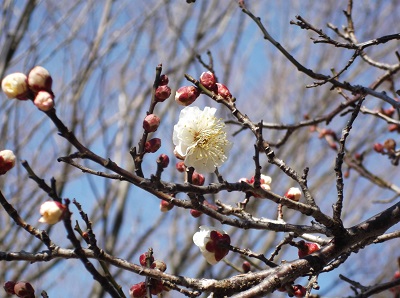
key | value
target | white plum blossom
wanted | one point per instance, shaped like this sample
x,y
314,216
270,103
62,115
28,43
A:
x,y
51,212
200,138
213,243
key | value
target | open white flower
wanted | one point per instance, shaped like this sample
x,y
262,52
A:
x,y
213,243
200,138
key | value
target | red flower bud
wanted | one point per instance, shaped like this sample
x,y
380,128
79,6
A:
x,y
393,127
180,166
143,257
165,206
246,266
195,213
138,290
306,248
162,93
378,147
197,179
9,287
163,80
151,123
208,80
299,291
186,95
39,79
24,289
152,145
224,91
163,160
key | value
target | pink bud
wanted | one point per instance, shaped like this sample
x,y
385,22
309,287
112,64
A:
x,y
306,248
152,145
44,101
224,91
163,80
389,112
195,213
180,166
208,80
15,85
186,95
39,79
7,161
151,123
9,287
138,290
163,160
393,127
198,179
156,287
24,289
165,206
378,147
293,193
246,266
162,93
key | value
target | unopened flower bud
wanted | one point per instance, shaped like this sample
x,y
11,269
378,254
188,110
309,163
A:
x,y
208,80
162,93
160,265
165,206
378,147
143,259
7,161
24,289
390,145
156,287
151,123
195,213
44,101
163,80
9,287
246,266
39,79
52,212
306,248
293,193
224,91
15,85
138,290
299,291
389,112
198,179
152,145
163,160
393,127
180,166
186,95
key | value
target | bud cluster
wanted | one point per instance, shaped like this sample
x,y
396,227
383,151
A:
x,y
21,289
156,286
36,85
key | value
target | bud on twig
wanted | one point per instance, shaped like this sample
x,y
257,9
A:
x,y
7,161
44,101
152,145
15,85
39,79
151,123
186,95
